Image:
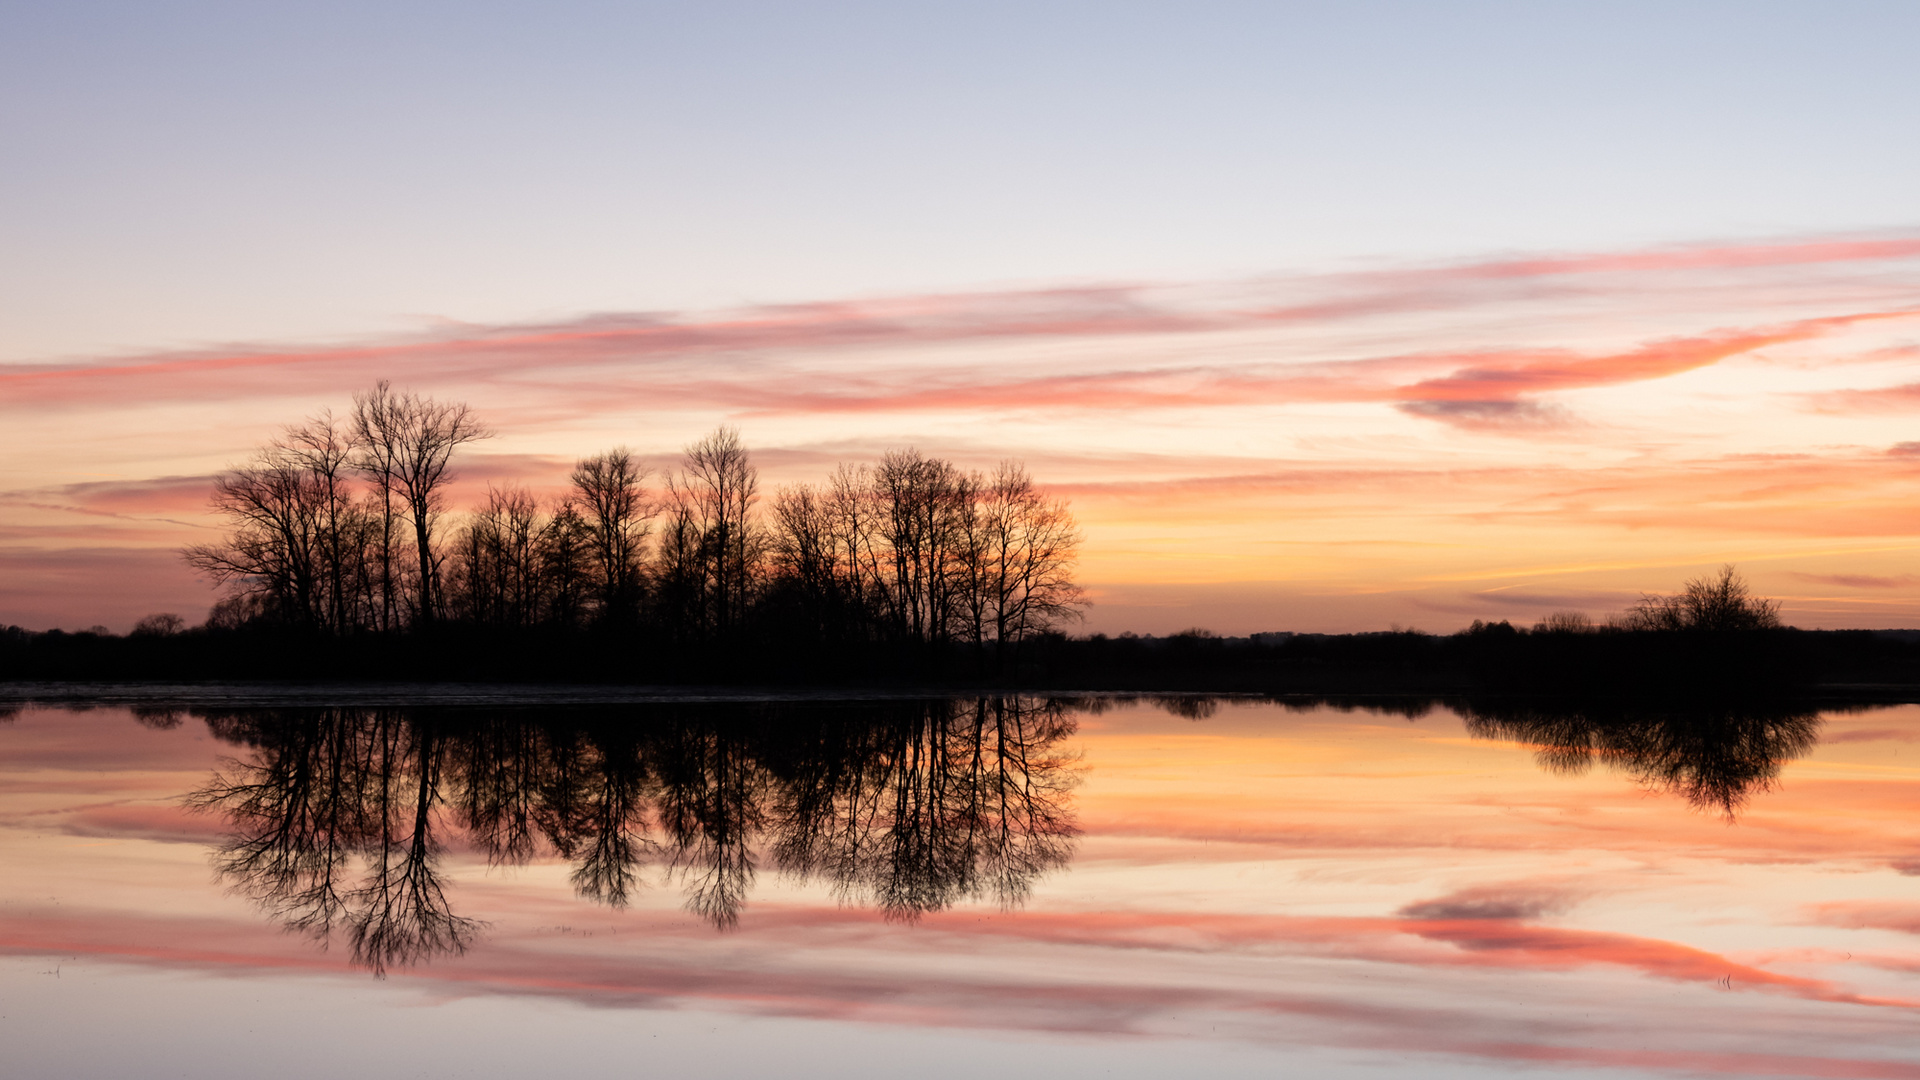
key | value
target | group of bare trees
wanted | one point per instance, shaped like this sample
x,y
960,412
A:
x,y
344,527
335,524
926,551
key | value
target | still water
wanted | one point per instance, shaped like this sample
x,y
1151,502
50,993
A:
x,y
490,886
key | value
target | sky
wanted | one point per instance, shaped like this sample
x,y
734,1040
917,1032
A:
x,y
1324,317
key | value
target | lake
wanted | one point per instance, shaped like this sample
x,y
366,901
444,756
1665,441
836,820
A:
x,y
475,882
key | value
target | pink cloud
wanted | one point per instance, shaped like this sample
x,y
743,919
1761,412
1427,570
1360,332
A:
x,y
679,352
1491,394
163,497
596,341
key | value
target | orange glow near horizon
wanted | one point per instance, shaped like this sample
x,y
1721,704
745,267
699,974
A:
x,y
1418,446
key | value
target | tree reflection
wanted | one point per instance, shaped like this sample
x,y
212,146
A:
x,y
1713,754
941,804
341,817
324,790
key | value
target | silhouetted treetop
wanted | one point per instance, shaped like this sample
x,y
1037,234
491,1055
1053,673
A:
x,y
1718,602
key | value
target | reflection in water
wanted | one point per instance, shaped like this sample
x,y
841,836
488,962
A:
x,y
1712,754
340,815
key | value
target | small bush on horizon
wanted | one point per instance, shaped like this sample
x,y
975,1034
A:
x,y
160,624
1565,622
1719,602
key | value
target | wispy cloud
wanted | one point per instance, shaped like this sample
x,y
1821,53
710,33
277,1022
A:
x,y
1859,581
1491,415
693,358
1886,399
1524,901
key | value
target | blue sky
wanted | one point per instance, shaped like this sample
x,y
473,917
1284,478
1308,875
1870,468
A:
x,y
180,174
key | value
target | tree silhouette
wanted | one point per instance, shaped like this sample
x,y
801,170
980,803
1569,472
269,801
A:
x,y
1714,754
1720,602
406,444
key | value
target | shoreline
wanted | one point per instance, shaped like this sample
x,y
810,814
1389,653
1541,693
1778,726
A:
x,y
374,694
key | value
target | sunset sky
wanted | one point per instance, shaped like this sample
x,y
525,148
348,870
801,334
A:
x,y
1324,317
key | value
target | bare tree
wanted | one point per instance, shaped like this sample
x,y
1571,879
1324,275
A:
x,y
933,553
325,451
853,520
1565,622
1720,602
925,504
406,444
566,559
805,559
618,519
500,566
680,580
376,456
713,534
159,624
1025,556
276,550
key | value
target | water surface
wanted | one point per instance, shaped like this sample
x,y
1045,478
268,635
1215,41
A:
x,y
497,885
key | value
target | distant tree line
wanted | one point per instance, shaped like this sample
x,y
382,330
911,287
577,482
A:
x,y
343,559
342,526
